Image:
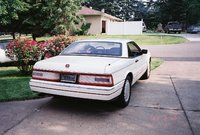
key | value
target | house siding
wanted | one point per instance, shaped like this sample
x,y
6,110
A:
x,y
95,21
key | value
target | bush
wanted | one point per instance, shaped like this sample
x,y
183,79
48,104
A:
x,y
25,52
83,30
55,46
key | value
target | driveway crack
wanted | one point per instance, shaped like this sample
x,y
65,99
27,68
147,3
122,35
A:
x,y
193,110
158,108
184,111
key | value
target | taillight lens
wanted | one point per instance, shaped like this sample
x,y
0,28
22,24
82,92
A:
x,y
97,80
42,75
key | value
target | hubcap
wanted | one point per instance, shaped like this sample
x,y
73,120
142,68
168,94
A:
x,y
127,88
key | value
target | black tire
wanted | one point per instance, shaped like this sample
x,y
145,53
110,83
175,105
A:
x,y
179,32
146,75
124,98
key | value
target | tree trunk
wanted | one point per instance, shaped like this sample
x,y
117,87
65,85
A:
x,y
13,35
34,36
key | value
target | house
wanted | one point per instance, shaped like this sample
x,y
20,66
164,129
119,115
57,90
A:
x,y
97,19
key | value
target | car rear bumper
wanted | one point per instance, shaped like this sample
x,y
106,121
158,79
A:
x,y
76,90
175,30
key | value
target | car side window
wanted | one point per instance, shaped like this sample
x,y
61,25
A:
x,y
133,49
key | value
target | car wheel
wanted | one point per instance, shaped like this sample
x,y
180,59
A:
x,y
146,75
179,32
125,95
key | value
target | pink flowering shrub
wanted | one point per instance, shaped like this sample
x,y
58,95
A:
x,y
25,52
56,45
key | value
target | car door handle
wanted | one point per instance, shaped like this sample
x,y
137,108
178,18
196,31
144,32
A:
x,y
136,61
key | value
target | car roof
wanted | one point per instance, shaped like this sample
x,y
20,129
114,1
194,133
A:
x,y
107,40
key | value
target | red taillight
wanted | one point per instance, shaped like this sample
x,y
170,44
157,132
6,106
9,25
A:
x,y
43,75
84,79
96,80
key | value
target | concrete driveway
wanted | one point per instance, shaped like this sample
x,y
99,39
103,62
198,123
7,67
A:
x,y
166,104
188,36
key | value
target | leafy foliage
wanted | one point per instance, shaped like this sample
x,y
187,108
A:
x,y
9,10
25,53
184,11
83,30
123,9
53,16
39,16
151,11
110,6
56,45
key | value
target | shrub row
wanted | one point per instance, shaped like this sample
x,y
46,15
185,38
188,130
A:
x,y
25,52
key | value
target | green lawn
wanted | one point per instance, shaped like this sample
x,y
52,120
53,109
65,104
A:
x,y
14,86
156,62
3,37
139,39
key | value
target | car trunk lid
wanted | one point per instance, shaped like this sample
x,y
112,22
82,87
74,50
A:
x,y
76,64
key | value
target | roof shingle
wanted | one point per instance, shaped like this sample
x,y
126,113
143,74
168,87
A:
x,y
90,11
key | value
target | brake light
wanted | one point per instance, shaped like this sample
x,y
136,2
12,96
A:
x,y
42,75
96,80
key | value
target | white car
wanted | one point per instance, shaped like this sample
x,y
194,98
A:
x,y
100,69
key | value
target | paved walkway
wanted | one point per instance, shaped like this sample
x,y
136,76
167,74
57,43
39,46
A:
x,y
191,37
166,104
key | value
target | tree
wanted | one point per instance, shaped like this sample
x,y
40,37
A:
x,y
10,11
124,9
184,11
52,16
110,6
39,16
192,11
127,9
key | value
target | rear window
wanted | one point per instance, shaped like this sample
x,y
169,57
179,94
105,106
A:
x,y
98,48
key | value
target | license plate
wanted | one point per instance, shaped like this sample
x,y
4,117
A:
x,y
68,78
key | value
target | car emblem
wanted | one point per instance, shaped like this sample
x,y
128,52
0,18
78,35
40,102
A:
x,y
67,65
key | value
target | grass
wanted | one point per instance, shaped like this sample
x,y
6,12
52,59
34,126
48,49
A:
x,y
4,37
14,86
139,39
156,62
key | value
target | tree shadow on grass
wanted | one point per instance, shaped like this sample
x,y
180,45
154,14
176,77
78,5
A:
x,y
11,72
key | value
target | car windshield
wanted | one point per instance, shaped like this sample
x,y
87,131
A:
x,y
98,48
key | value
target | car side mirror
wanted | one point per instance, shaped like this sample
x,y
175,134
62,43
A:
x,y
144,51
